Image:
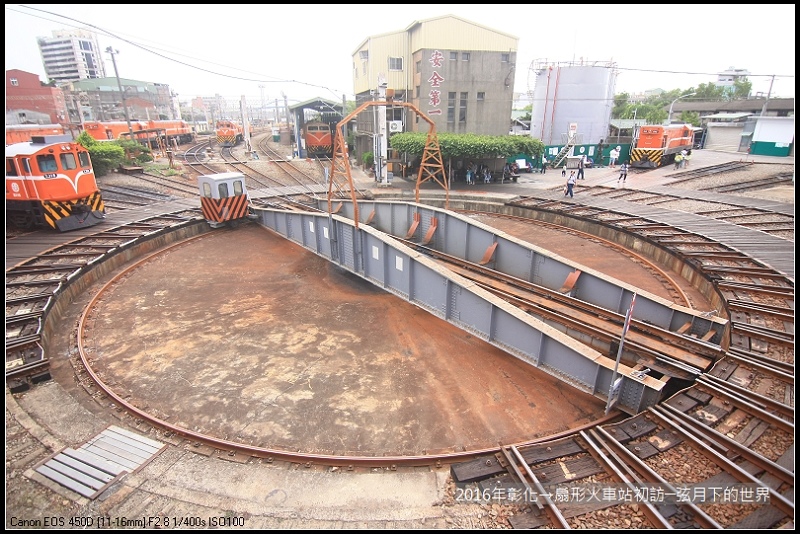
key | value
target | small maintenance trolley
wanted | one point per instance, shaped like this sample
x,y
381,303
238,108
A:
x,y
224,198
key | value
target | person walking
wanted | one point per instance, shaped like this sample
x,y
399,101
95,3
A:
x,y
564,171
678,161
686,158
581,165
544,163
570,184
623,173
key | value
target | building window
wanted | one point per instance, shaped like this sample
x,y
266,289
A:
x,y
419,66
464,56
14,82
462,109
453,56
418,92
481,96
364,54
395,63
505,58
451,107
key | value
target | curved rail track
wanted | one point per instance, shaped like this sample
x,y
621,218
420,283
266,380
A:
x,y
715,454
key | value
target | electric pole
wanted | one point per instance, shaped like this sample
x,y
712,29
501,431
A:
x,y
263,103
121,92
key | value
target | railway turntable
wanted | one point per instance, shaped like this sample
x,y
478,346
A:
x,y
279,349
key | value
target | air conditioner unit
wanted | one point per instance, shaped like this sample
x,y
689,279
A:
x,y
395,126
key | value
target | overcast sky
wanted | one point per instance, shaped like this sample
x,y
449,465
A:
x,y
233,49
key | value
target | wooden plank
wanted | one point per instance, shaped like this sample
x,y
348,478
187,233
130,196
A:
x,y
618,433
723,369
758,345
642,449
638,426
665,440
700,396
568,471
534,454
764,517
488,466
682,402
477,469
732,423
751,432
529,520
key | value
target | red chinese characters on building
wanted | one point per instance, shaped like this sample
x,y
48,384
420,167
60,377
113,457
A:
x,y
436,79
435,98
436,59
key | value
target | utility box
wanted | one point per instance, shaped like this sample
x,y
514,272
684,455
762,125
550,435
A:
x,y
572,161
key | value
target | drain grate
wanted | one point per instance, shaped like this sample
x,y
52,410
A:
x,y
91,468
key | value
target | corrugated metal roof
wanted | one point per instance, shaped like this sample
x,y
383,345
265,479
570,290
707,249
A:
x,y
727,116
627,124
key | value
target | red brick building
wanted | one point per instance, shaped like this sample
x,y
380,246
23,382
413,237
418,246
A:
x,y
29,100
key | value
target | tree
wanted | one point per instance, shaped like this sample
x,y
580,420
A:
x,y
105,156
741,88
469,146
690,117
708,91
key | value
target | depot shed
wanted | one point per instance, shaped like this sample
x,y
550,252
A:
x,y
770,136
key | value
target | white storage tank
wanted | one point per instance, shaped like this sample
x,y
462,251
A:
x,y
570,96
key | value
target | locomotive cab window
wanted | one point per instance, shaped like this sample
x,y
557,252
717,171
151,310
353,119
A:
x,y
223,190
47,163
68,161
207,190
86,163
238,188
11,167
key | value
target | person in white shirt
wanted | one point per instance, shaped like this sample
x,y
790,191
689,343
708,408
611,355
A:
x,y
570,184
614,156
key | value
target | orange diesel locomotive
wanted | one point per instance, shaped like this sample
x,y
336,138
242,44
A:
x,y
50,183
149,132
229,133
112,130
173,129
657,145
318,139
23,133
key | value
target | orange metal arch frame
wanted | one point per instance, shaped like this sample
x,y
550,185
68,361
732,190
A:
x,y
431,167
